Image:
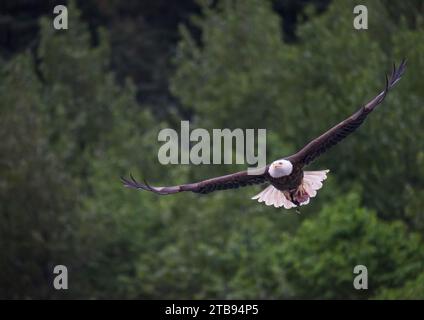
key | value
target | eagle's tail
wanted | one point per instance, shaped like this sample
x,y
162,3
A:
x,y
274,197
312,181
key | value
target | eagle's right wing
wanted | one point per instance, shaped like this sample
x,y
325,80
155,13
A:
x,y
230,181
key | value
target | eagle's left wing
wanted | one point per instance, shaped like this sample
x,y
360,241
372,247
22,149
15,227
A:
x,y
333,136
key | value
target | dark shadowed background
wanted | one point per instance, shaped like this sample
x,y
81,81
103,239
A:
x,y
83,106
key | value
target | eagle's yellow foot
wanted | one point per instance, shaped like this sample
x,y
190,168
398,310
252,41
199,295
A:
x,y
300,196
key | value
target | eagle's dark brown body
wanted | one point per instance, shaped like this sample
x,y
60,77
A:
x,y
287,183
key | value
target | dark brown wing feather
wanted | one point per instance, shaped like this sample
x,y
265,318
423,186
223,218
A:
x,y
231,181
333,136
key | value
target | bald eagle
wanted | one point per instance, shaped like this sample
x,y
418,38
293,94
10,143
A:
x,y
289,185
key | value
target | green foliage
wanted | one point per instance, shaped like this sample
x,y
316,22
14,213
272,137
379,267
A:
x,y
37,212
80,97
230,76
211,253
68,131
319,258
412,290
58,123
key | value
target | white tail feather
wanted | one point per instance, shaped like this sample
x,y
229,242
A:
x,y
312,181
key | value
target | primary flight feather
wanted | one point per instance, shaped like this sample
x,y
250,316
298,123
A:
x,y
290,186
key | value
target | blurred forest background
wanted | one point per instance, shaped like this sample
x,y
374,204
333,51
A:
x,y
83,106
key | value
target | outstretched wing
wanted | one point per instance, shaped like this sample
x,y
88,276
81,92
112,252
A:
x,y
231,181
333,136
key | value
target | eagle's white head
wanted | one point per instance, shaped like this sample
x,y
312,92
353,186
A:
x,y
280,168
